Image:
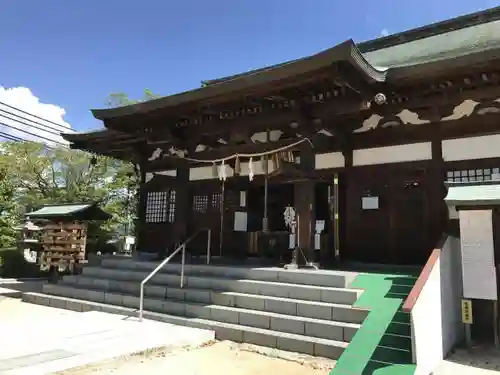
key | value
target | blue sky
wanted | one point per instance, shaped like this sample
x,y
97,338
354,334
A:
x,y
74,53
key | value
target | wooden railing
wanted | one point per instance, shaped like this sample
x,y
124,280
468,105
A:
x,y
424,275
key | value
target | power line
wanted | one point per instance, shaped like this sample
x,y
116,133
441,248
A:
x,y
32,134
43,127
10,137
38,117
14,138
24,118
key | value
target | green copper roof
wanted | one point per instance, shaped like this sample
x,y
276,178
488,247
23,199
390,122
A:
x,y
452,44
83,211
474,194
441,40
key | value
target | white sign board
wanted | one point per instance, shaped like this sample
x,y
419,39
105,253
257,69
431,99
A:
x,y
369,203
240,221
478,262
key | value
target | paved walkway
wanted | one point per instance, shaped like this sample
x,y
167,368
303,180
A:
x,y
14,288
41,340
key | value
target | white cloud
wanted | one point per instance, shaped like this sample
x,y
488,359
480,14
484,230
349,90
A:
x,y
22,113
384,32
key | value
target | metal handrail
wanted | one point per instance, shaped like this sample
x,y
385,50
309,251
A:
x,y
182,248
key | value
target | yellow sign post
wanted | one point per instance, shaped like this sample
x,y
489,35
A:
x,y
466,311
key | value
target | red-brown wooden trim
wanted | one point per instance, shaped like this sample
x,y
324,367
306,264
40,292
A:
x,y
424,275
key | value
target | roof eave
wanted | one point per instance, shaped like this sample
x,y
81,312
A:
x,y
346,51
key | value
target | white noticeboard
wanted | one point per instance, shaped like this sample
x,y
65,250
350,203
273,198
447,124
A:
x,y
478,262
369,203
240,221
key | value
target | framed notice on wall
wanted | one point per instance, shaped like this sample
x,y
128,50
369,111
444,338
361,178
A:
x,y
478,261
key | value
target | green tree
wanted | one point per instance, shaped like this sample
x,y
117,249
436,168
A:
x,y
120,99
39,175
8,211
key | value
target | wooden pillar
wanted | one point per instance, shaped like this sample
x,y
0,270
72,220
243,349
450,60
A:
x,y
141,208
345,239
438,210
181,203
304,205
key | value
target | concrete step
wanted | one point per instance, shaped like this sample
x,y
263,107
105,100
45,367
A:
x,y
337,279
224,331
249,286
279,305
333,328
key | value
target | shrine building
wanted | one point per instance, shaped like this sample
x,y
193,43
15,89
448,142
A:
x,y
358,139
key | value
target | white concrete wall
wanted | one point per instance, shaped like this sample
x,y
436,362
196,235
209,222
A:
x,y
436,317
451,295
471,148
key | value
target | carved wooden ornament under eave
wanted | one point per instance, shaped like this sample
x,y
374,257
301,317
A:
x,y
488,107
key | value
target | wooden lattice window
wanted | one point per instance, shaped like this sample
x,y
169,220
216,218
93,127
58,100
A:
x,y
471,175
200,203
160,206
171,207
216,200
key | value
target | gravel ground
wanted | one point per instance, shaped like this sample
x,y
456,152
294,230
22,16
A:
x,y
218,358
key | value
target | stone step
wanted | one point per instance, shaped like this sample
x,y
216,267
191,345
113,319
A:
x,y
337,279
334,328
267,288
224,331
288,306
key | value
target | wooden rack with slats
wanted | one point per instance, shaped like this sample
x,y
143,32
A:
x,y
63,246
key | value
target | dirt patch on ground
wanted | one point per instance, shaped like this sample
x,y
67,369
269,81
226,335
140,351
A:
x,y
216,359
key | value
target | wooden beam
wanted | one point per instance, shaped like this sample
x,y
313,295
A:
x,y
442,99
470,126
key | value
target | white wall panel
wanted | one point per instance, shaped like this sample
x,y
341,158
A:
x,y
483,147
393,154
330,160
